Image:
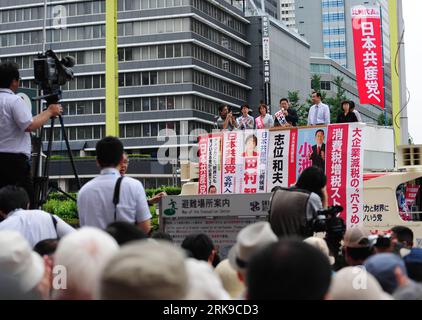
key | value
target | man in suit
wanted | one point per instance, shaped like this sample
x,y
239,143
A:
x,y
318,150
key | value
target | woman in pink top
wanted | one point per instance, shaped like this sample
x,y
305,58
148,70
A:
x,y
264,120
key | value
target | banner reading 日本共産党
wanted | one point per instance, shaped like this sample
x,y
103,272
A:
x,y
367,39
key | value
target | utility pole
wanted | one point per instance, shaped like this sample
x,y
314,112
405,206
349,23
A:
x,y
111,68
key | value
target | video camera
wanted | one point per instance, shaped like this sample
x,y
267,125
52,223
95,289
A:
x,y
50,73
327,220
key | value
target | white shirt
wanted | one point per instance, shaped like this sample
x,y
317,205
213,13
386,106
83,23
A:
x,y
35,225
15,118
358,115
319,114
245,123
95,200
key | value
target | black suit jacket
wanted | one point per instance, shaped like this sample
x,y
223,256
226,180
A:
x,y
316,158
292,117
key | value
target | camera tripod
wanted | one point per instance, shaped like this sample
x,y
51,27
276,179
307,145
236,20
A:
x,y
42,185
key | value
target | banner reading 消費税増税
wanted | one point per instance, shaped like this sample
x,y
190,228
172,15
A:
x,y
367,39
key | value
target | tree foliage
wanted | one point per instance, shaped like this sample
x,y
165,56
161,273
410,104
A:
x,y
335,101
302,109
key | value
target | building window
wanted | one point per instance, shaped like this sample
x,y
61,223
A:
x,y
325,85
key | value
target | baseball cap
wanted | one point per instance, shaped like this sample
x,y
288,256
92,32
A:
x,y
356,237
413,256
355,283
18,261
382,266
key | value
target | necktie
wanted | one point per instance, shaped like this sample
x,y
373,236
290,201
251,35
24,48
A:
x,y
318,150
316,115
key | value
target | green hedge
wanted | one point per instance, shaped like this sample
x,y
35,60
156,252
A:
x,y
66,208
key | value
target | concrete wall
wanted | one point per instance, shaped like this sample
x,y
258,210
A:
x,y
289,63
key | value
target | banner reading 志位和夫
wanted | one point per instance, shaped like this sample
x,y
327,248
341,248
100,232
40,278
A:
x,y
367,39
256,161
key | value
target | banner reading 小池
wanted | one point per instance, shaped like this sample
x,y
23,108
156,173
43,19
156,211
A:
x,y
367,39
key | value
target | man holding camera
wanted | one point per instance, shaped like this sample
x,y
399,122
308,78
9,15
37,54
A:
x,y
16,123
226,121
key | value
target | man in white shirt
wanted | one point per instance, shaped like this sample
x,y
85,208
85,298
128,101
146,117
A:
x,y
319,113
16,122
95,199
33,225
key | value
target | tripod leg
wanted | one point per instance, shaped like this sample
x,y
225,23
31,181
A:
x,y
69,152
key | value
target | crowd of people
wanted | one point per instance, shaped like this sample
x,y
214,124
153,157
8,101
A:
x,y
114,254
286,116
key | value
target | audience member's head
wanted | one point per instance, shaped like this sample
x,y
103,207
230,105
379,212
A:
x,y
383,267
288,270
145,270
355,283
83,254
357,247
124,232
160,235
322,246
109,152
230,280
402,237
313,180
9,75
22,266
413,262
200,247
203,283
12,198
250,240
46,247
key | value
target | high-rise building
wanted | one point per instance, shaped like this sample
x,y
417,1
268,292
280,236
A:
x,y
272,7
179,60
327,25
323,24
288,13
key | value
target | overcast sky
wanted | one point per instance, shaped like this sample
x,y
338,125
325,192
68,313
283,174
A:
x,y
413,44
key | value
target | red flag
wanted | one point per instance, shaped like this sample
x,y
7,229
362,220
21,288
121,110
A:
x,y
366,22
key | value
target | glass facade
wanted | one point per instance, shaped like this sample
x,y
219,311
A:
x,y
334,26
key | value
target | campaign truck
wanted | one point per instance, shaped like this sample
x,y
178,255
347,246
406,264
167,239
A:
x,y
229,186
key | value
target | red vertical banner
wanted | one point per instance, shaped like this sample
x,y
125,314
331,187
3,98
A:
x,y
355,176
203,164
336,164
292,157
367,38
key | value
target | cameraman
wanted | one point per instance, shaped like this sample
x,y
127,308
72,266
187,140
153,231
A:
x,y
293,209
226,121
16,123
